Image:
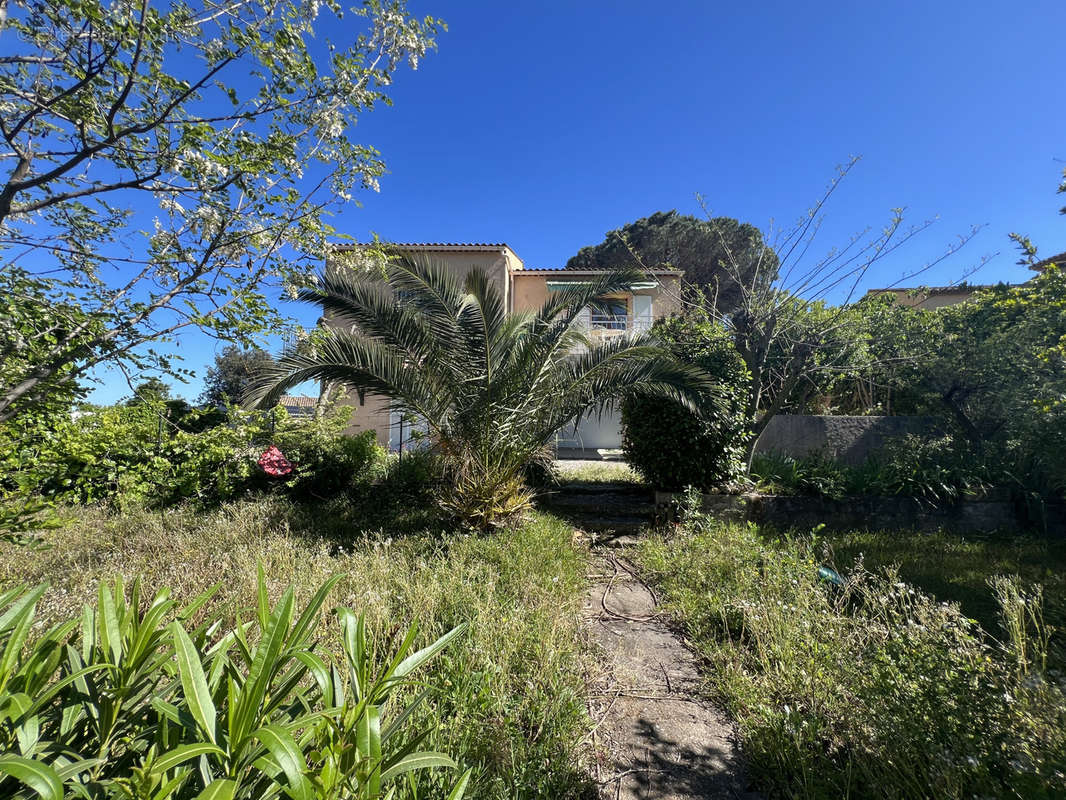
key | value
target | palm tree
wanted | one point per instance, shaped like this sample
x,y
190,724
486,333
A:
x,y
492,389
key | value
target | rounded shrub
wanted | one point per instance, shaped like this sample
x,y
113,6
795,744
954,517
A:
x,y
669,445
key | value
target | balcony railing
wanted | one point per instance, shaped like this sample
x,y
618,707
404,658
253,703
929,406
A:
x,y
608,324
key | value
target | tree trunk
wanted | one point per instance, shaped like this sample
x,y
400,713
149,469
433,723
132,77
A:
x,y
757,427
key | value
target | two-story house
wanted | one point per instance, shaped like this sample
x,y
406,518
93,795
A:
x,y
527,290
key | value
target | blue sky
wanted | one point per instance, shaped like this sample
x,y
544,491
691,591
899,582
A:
x,y
544,125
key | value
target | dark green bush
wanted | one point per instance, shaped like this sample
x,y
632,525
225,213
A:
x,y
940,470
327,461
670,446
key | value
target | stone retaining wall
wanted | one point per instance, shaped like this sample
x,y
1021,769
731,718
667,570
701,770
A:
x,y
850,440
987,514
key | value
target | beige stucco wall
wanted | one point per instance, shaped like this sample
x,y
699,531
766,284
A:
x,y
495,263
667,299
530,290
919,299
937,300
373,415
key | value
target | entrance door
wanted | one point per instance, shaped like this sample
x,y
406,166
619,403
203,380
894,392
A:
x,y
641,313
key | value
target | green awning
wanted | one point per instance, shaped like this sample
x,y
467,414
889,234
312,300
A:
x,y
558,286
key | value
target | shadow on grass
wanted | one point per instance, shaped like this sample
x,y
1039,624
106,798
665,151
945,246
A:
x,y
364,511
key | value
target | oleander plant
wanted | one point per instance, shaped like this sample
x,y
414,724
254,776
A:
x,y
142,699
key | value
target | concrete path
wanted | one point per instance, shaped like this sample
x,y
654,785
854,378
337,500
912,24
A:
x,y
655,737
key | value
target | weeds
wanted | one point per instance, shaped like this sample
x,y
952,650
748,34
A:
x,y
872,689
935,471
956,568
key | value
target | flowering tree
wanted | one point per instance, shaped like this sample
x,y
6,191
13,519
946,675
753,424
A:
x,y
163,165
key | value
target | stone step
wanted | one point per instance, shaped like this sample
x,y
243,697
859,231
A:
x,y
626,488
600,507
602,521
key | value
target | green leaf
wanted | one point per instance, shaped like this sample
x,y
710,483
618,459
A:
x,y
37,776
263,602
193,681
368,742
459,789
199,601
149,626
30,598
264,664
222,789
423,760
288,756
109,627
183,753
75,768
416,660
17,638
320,671
313,607
401,719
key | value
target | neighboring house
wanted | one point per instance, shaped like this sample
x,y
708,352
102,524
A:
x,y
299,406
527,290
1058,260
929,297
940,296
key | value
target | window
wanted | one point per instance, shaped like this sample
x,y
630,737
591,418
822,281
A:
x,y
610,315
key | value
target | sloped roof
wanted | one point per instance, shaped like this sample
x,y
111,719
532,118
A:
x,y
1059,259
453,246
563,272
929,291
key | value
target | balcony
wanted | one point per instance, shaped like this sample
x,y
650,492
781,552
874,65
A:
x,y
603,327
608,325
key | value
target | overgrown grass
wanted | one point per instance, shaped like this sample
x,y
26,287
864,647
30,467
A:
x,y
869,689
510,692
956,568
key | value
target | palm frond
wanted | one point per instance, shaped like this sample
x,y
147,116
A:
x,y
630,365
359,363
371,308
427,287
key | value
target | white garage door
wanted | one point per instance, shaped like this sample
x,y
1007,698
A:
x,y
595,433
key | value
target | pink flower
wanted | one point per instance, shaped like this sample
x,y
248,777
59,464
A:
x,y
274,463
